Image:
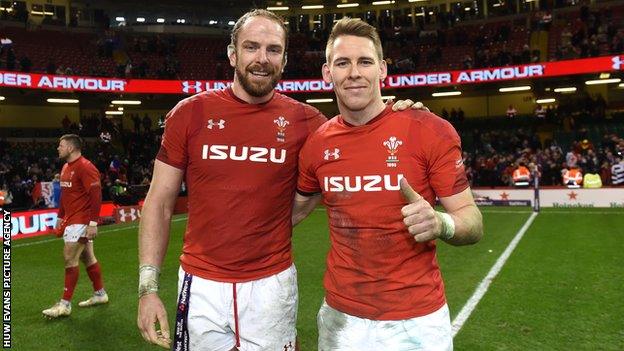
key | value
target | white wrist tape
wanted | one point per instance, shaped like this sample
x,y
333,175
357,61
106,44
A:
x,y
148,279
448,225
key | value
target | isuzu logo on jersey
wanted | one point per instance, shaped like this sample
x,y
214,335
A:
x,y
331,155
367,183
281,128
392,144
617,62
212,124
243,153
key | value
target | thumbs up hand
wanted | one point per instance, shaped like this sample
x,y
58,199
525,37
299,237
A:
x,y
418,215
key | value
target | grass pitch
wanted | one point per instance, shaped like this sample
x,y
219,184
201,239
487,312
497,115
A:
x,y
561,288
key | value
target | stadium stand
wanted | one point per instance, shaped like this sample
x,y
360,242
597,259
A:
x,y
444,41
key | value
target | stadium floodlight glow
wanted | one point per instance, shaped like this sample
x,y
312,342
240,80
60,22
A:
x,y
312,7
160,20
510,89
2,98
63,101
379,3
120,19
319,101
212,22
545,101
603,81
496,5
621,85
34,12
181,20
231,23
126,102
565,90
342,6
140,19
113,113
120,108
278,8
605,75
467,9
446,93
417,0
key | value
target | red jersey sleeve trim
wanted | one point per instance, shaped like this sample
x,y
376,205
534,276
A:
x,y
181,166
306,193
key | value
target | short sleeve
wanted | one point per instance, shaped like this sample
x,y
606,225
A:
x,y
307,183
447,176
173,148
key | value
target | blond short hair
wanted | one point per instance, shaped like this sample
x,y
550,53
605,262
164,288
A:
x,y
355,27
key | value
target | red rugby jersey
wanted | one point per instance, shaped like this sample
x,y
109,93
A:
x,y
240,163
81,192
375,269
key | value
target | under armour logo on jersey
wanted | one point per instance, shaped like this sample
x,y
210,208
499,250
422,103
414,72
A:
x,y
329,155
195,87
220,124
617,62
459,163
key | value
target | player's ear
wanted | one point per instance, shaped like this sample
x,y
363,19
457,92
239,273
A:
x,y
383,69
326,73
231,53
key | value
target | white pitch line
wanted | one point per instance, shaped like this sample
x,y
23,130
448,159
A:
x,y
471,304
488,210
485,210
99,232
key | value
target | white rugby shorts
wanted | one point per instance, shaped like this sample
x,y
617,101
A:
x,y
253,316
344,332
74,232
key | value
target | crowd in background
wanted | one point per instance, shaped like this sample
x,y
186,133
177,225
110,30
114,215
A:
x,y
438,42
125,156
497,154
590,34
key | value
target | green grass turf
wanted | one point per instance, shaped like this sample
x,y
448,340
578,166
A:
x,y
559,290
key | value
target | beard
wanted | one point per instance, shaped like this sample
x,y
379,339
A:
x,y
256,89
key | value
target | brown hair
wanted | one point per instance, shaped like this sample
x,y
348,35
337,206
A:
x,y
355,27
254,13
74,140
